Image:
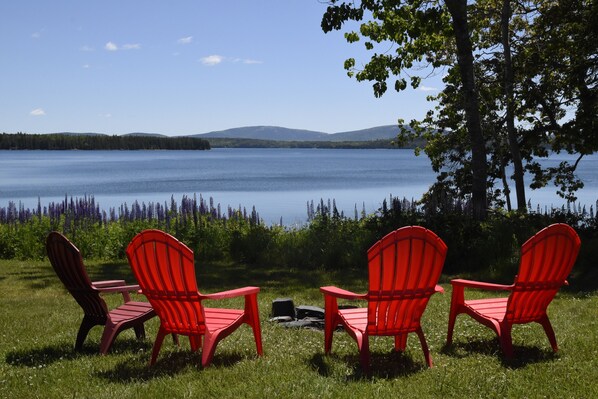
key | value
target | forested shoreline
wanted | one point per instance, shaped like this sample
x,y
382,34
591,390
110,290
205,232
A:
x,y
67,141
58,141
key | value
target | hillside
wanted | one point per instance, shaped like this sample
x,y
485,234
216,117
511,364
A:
x,y
276,133
251,136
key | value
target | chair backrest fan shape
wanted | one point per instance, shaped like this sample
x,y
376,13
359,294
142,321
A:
x,y
404,268
546,261
67,262
165,271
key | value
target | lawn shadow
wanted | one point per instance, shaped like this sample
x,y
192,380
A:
x,y
38,357
43,276
36,277
387,365
522,357
223,276
65,351
111,271
169,364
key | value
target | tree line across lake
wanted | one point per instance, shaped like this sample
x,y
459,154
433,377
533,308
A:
x,y
22,141
76,141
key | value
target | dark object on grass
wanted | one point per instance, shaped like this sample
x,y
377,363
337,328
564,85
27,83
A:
x,y
304,316
283,307
306,311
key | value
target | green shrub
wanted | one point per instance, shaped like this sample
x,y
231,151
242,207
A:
x,y
328,242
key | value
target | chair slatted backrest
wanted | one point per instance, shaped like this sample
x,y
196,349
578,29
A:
x,y
404,268
68,265
165,271
546,261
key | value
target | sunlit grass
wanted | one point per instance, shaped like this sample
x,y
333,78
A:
x,y
39,321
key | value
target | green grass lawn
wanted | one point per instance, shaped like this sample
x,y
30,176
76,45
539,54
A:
x,y
39,321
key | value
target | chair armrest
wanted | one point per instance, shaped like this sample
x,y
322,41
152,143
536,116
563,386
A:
x,y
340,293
481,285
108,283
119,289
231,293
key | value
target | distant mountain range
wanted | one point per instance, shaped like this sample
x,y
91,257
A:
x,y
276,133
282,137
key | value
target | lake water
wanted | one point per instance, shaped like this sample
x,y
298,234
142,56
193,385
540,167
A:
x,y
278,182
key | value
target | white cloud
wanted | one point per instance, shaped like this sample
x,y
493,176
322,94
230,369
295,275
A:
x,y
427,88
212,60
36,35
133,46
111,46
247,61
185,40
37,112
251,62
86,48
86,66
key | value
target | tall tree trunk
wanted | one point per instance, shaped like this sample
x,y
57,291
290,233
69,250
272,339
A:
x,y
506,190
508,80
458,11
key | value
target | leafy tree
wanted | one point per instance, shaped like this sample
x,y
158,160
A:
x,y
430,33
530,66
560,87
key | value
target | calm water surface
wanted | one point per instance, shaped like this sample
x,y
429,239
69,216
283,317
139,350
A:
x,y
279,182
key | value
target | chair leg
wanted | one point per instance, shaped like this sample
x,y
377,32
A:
x,y
451,327
157,345
549,332
330,321
108,336
401,342
457,298
506,340
209,348
139,331
364,352
252,316
195,342
422,340
86,325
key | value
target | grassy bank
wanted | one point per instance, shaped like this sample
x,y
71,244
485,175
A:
x,y
39,321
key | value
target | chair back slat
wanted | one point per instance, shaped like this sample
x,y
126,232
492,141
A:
x,y
404,268
67,262
546,261
165,270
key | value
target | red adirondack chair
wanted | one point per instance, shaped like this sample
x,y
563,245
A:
x,y
404,268
546,261
165,270
68,265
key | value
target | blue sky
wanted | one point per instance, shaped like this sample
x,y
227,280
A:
x,y
184,67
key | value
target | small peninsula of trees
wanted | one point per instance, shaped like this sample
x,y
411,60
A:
x,y
61,141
